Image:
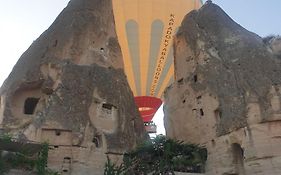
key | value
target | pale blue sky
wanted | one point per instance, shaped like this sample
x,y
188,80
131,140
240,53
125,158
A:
x,y
259,16
22,21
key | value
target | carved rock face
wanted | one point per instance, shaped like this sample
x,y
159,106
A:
x,y
275,45
69,89
226,95
215,55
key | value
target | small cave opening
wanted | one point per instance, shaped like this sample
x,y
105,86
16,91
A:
x,y
58,133
218,115
195,78
201,112
238,157
55,43
97,140
30,105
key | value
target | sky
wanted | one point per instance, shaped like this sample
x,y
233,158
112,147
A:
x,y
22,22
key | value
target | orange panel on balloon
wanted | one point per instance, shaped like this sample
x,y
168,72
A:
x,y
145,30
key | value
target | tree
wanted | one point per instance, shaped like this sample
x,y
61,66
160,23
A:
x,y
163,156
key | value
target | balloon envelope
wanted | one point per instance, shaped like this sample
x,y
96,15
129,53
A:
x,y
145,30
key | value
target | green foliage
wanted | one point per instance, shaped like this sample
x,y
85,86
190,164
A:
x,y
3,168
113,169
15,160
160,156
20,160
6,138
163,156
42,159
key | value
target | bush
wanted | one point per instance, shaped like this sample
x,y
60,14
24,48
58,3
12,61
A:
x,y
113,169
162,156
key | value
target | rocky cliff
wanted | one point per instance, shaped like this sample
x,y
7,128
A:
x,y
69,89
227,94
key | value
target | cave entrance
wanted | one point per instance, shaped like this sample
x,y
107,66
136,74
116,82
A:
x,y
238,158
30,105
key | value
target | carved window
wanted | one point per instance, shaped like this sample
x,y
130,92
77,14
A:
x,y
30,105
57,132
107,108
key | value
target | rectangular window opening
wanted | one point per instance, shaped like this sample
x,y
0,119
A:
x,y
30,105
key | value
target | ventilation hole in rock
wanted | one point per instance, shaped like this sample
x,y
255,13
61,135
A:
x,y
201,112
30,105
56,146
195,78
102,49
65,171
183,101
58,133
97,140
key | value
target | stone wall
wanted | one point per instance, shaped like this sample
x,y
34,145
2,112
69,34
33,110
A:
x,y
227,94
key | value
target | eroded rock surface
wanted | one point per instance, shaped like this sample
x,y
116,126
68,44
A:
x,y
226,95
274,45
69,89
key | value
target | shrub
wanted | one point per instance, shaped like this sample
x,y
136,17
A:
x,y
162,156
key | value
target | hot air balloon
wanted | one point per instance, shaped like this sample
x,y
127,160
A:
x,y
145,30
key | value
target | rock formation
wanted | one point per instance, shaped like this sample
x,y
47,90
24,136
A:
x,y
226,95
69,89
274,45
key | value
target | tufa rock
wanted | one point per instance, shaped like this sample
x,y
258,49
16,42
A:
x,y
226,95
69,89
274,45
